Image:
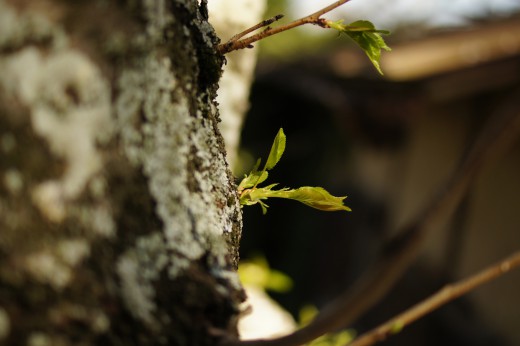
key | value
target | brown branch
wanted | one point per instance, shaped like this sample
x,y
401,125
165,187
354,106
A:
x,y
262,24
400,251
445,295
237,42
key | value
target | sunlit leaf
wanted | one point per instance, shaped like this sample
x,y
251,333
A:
x,y
254,274
257,177
366,36
253,179
258,273
317,197
277,150
263,206
256,195
307,314
279,282
257,164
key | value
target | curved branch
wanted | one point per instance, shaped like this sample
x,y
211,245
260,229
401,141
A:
x,y
445,295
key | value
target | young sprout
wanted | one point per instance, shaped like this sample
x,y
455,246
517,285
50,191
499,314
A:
x,y
315,197
366,36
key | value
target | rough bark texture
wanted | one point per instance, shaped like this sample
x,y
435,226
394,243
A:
x,y
119,222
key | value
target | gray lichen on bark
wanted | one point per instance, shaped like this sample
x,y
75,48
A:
x,y
132,211
186,174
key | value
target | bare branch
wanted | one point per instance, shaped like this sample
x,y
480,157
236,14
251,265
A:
x,y
445,295
262,24
237,42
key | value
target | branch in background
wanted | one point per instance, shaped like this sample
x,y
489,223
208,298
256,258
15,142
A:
x,y
262,24
400,252
444,296
363,32
236,42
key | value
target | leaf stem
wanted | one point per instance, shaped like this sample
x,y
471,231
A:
x,y
237,42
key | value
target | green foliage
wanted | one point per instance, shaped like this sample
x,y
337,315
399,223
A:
x,y
258,273
277,150
315,197
366,36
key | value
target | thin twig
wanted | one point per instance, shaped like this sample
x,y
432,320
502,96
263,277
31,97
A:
x,y
262,24
400,251
237,42
445,295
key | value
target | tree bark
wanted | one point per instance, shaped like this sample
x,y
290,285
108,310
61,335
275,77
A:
x,y
119,220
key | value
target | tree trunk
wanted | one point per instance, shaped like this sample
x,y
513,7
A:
x,y
119,220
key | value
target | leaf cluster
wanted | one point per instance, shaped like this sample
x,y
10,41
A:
x,y
313,196
364,33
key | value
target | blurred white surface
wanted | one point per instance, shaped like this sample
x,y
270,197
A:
x,y
267,319
229,17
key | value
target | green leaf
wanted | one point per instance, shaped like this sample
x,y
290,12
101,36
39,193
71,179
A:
x,y
257,272
257,164
307,314
255,177
277,150
252,179
366,36
255,195
317,197
278,282
263,206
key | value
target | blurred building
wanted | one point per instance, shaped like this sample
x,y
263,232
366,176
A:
x,y
389,143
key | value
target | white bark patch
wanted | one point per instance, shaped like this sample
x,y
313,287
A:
x,y
13,181
136,288
193,222
5,324
16,30
69,104
42,339
47,268
49,198
70,107
160,135
55,265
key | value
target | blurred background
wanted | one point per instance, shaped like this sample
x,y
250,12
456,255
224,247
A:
x,y
388,142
